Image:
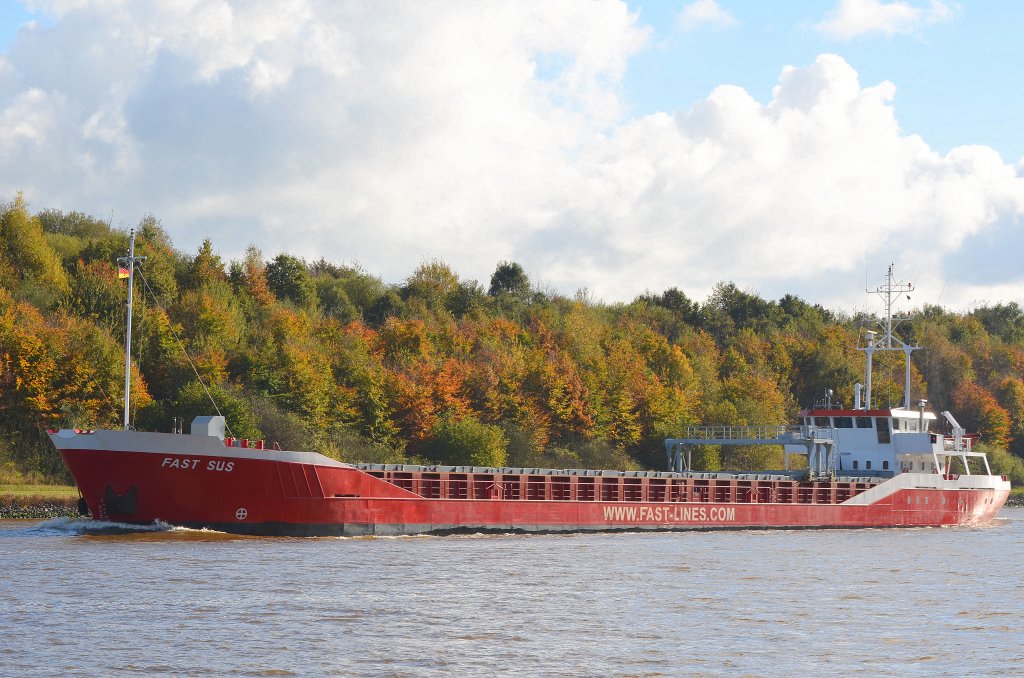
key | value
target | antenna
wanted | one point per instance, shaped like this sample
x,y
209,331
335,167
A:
x,y
887,342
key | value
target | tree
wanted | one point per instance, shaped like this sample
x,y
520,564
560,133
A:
x,y
729,309
467,441
24,246
74,224
334,299
249,278
509,278
206,268
1005,321
979,411
802,316
432,284
468,298
829,361
1010,395
162,261
289,280
194,400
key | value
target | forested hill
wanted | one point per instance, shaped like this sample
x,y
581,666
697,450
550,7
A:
x,y
325,356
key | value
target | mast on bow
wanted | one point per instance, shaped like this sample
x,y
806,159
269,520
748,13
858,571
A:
x,y
127,265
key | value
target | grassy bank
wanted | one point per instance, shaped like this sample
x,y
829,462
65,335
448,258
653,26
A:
x,y
37,501
44,491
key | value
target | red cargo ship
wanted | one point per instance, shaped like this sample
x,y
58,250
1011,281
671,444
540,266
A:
x,y
865,468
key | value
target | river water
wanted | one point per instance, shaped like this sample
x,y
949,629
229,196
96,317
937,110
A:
x,y
77,601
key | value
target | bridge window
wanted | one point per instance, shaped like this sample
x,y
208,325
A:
x,y
882,429
844,422
885,465
854,464
822,421
867,464
863,422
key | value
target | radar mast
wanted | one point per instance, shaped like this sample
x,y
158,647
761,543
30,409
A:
x,y
889,292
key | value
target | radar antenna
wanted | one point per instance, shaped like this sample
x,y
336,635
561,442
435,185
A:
x,y
887,342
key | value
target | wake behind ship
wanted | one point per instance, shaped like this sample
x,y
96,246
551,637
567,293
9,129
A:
x,y
864,467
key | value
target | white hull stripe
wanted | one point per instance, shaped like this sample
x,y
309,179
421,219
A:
x,y
925,481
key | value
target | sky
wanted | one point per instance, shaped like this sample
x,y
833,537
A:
x,y
614,147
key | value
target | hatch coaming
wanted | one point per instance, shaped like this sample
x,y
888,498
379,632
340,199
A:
x,y
630,487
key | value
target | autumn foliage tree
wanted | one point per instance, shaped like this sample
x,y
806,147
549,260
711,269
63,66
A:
x,y
436,367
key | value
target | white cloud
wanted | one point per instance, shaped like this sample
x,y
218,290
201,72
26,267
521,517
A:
x,y
704,13
853,18
481,132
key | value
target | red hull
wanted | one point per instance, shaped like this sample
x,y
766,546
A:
x,y
264,492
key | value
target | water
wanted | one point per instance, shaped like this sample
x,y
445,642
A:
x,y
99,601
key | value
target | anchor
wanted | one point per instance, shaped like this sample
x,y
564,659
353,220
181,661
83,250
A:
x,y
120,504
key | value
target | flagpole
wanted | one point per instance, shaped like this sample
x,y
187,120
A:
x,y
130,260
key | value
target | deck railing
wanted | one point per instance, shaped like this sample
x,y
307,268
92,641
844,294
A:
x,y
736,432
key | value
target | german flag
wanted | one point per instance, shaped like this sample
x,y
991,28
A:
x,y
122,272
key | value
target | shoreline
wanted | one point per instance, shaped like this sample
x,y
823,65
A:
x,y
37,508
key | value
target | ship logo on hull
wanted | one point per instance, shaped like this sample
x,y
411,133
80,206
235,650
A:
x,y
241,514
670,514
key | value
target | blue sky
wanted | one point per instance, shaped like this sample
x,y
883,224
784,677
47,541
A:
x,y
792,147
957,81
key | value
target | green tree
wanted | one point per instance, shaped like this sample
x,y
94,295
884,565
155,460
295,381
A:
x,y
289,280
1010,395
1005,321
729,309
432,285
206,268
195,400
467,441
159,271
29,256
509,278
334,299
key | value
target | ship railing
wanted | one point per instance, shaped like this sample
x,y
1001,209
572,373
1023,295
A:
x,y
735,432
774,434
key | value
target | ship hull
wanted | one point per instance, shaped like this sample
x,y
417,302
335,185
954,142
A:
x,y
144,478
